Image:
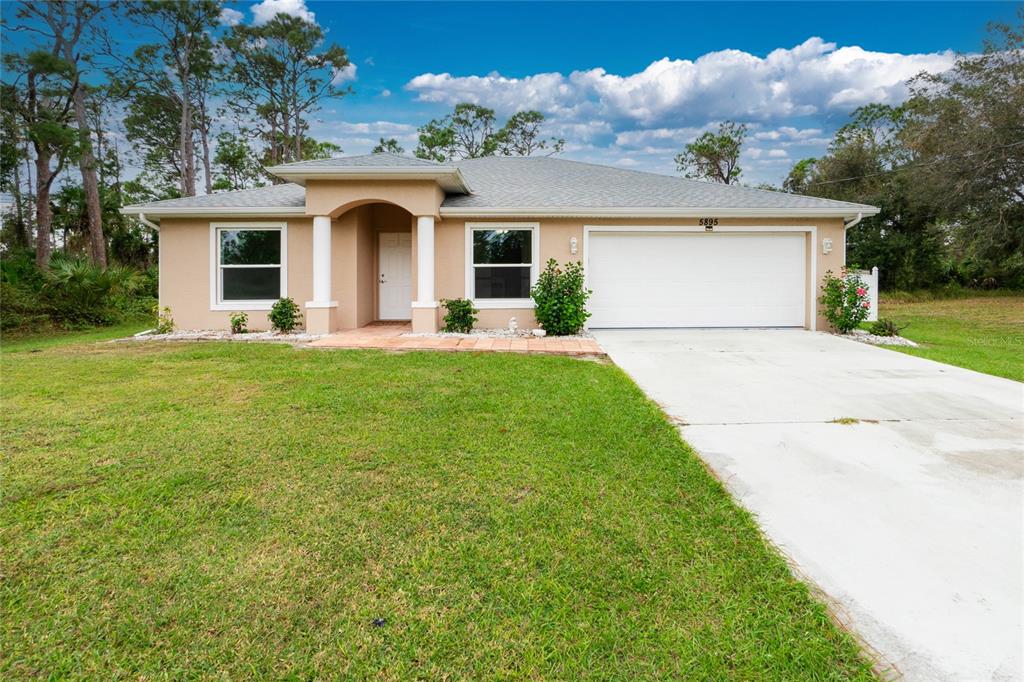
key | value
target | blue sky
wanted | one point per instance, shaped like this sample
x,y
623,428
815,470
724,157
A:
x,y
630,83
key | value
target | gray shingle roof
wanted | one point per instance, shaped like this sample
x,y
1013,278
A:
x,y
546,182
379,160
288,195
534,182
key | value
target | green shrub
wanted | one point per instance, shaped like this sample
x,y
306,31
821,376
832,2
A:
x,y
284,315
164,321
83,293
148,284
133,306
460,316
239,323
19,269
885,327
845,300
22,308
72,293
560,299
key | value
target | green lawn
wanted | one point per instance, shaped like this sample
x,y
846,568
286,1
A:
x,y
233,511
37,341
984,333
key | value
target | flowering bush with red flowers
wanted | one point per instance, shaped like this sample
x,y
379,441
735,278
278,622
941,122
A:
x,y
846,301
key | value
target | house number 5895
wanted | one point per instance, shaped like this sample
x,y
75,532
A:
x,y
707,223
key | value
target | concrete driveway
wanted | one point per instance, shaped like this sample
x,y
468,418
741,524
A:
x,y
911,520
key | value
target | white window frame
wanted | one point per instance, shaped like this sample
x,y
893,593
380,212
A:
x,y
216,302
498,303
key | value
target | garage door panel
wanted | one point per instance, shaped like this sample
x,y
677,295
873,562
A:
x,y
697,279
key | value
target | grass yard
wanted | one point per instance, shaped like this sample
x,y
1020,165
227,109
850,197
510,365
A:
x,y
15,342
233,511
984,333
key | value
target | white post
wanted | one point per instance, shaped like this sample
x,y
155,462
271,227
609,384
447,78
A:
x,y
424,308
321,260
425,261
873,294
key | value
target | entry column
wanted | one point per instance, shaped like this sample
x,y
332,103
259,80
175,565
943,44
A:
x,y
320,312
424,308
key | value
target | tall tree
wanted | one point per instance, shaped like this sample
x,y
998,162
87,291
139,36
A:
x,y
63,23
151,124
469,132
236,164
178,65
389,145
863,164
521,136
714,156
44,105
799,176
282,71
966,128
12,154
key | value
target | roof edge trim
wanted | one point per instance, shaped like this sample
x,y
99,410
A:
x,y
213,211
602,212
382,173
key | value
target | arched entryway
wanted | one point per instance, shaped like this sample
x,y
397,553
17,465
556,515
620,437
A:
x,y
373,254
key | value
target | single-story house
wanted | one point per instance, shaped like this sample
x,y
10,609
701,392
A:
x,y
360,239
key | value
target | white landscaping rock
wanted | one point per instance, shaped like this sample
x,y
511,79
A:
x,y
540,333
221,335
874,340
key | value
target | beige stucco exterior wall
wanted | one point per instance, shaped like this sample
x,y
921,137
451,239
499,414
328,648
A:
x,y
335,197
185,270
555,233
185,261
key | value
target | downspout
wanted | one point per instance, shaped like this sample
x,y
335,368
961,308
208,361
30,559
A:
x,y
159,271
853,222
151,224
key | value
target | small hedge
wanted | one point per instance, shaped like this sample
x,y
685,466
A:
x,y
460,316
561,299
886,327
239,323
285,315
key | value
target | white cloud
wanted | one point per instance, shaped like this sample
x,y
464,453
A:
x,y
788,133
231,17
659,136
268,9
814,77
373,128
778,154
385,93
344,75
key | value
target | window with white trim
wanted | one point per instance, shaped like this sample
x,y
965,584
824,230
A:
x,y
249,266
502,262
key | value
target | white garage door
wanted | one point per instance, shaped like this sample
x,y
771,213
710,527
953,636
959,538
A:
x,y
697,279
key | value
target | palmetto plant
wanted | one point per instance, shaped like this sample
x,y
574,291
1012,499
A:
x,y
83,291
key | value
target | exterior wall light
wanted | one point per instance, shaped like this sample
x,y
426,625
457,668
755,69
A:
x,y
574,245
826,246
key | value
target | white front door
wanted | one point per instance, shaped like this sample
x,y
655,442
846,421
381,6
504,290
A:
x,y
395,276
688,279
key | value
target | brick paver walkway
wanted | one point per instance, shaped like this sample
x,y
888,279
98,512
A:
x,y
390,337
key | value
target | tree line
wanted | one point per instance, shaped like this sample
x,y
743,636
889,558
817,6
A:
x,y
946,168
198,106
